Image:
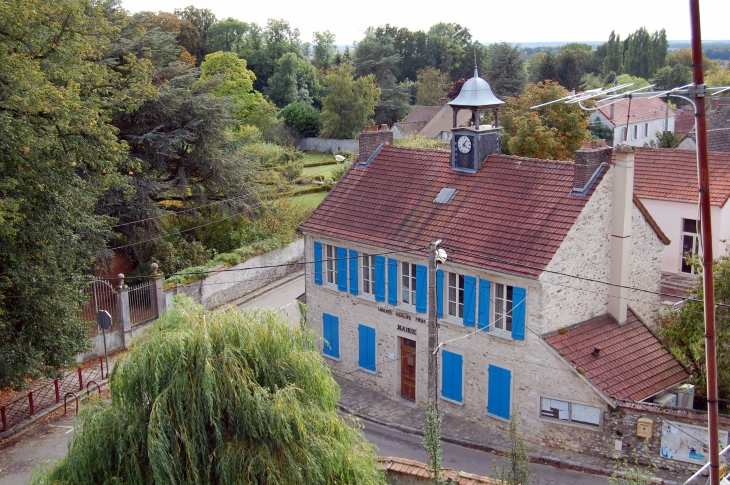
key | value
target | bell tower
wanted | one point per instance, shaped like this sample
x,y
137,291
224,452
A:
x,y
471,145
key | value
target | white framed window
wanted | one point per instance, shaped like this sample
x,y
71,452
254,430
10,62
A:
x,y
455,295
623,134
368,274
634,132
646,130
570,412
408,283
690,243
503,307
330,266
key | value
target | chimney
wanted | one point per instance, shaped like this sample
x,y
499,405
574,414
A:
x,y
444,100
371,140
588,161
597,351
610,112
621,207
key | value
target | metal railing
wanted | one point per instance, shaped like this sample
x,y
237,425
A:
x,y
49,392
141,306
101,297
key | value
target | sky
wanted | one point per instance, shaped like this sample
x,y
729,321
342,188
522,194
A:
x,y
488,20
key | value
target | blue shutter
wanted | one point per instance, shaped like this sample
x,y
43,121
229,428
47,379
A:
x,y
470,296
451,375
498,401
484,289
440,293
317,263
379,278
353,272
342,269
392,281
421,288
331,334
366,358
519,303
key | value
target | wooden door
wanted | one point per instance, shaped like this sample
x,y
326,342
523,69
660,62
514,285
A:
x,y
408,368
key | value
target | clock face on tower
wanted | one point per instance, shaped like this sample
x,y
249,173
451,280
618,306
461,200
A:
x,y
464,144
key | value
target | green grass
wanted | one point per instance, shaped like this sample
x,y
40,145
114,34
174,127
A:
x,y
310,201
317,157
324,170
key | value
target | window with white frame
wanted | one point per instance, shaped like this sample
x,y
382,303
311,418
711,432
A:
x,y
570,412
635,132
623,134
408,283
455,295
503,307
646,130
368,274
690,243
330,259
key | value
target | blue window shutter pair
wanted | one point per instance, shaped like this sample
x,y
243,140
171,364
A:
x,y
366,358
353,272
484,290
421,288
451,375
317,263
331,335
392,281
499,391
379,278
440,293
519,303
470,296
342,269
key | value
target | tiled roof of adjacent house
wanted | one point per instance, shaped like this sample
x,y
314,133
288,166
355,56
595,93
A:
x,y
409,127
632,363
444,120
411,468
638,109
671,174
685,121
515,211
422,114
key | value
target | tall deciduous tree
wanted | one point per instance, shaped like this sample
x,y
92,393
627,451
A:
x,y
227,397
324,49
233,80
614,60
59,152
506,70
349,103
552,132
432,86
294,80
203,19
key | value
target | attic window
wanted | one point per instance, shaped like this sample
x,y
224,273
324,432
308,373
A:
x,y
445,196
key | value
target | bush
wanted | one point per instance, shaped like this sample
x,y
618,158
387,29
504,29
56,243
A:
x,y
418,141
339,171
302,119
176,253
291,170
269,155
229,259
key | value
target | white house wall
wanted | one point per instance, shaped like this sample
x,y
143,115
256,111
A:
x,y
537,371
669,214
655,125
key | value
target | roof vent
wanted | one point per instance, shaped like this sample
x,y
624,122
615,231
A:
x,y
445,196
597,351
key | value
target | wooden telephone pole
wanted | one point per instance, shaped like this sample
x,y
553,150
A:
x,y
433,331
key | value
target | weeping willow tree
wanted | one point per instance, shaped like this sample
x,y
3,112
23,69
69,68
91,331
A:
x,y
235,397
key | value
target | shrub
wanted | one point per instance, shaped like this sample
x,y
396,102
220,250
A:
x,y
291,170
230,259
176,253
302,119
339,171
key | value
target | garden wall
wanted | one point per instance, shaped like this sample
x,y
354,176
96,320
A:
x,y
327,145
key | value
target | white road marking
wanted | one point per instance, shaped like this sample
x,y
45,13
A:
x,y
70,428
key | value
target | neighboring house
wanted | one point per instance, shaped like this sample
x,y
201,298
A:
x,y
527,320
439,128
666,182
416,120
718,131
635,121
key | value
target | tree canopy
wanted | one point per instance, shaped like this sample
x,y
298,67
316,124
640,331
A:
x,y
349,103
225,397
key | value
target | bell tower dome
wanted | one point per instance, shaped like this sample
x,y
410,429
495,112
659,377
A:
x,y
471,145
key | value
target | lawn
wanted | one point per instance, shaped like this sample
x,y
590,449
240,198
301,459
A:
x,y
312,157
324,170
310,201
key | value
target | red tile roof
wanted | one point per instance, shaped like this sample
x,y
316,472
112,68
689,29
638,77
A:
x,y
632,363
671,174
516,211
685,121
641,109
403,466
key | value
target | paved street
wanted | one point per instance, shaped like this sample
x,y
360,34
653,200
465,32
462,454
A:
x,y
282,298
390,442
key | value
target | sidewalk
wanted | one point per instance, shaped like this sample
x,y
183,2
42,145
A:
x,y
375,406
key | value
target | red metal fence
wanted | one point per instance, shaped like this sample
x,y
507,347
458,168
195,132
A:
x,y
50,392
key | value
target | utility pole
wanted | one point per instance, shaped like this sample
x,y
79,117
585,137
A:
x,y
433,332
706,230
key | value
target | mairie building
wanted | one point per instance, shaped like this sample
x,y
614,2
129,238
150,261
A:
x,y
539,304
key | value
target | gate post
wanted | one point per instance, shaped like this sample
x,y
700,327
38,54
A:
x,y
123,316
157,293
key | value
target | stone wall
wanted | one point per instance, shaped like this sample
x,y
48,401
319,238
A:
x,y
646,269
327,145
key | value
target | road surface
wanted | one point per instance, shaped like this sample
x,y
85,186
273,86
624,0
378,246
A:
x,y
282,298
